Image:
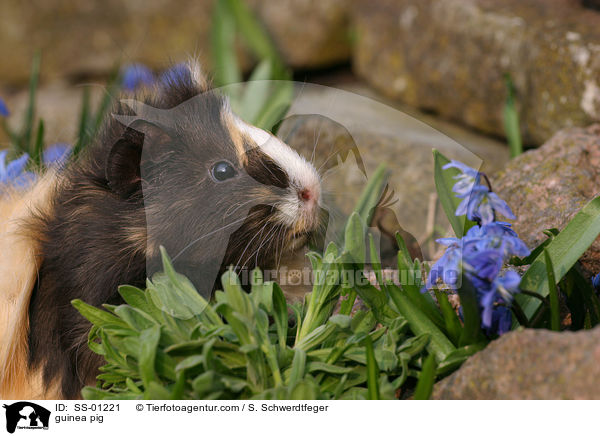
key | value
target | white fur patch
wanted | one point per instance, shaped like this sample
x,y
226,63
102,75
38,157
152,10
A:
x,y
301,173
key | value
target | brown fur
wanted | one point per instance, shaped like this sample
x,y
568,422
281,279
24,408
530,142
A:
x,y
19,263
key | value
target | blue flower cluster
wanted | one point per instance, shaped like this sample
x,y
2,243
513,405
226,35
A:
x,y
481,253
15,174
138,75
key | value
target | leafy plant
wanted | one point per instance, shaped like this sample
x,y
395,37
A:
x,y
169,342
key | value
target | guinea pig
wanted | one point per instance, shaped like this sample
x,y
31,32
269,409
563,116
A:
x,y
176,168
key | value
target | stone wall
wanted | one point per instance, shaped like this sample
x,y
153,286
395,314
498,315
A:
x,y
451,57
87,38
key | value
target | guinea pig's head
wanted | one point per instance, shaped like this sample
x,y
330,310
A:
x,y
215,190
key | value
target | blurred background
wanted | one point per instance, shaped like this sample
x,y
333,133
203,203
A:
x,y
448,58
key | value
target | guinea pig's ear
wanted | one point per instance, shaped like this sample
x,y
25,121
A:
x,y
123,171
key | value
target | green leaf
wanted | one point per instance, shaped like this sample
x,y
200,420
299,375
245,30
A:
x,y
96,316
138,299
277,105
451,321
137,319
256,93
254,34
26,145
420,323
38,147
326,367
581,299
371,194
174,293
148,345
426,379
511,120
372,370
528,260
471,332
280,314
375,262
206,382
354,241
155,391
564,250
226,68
298,366
414,345
316,336
444,181
412,288
457,357
553,295
190,362
375,300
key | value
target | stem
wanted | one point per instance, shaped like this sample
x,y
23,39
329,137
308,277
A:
x,y
519,314
487,181
535,295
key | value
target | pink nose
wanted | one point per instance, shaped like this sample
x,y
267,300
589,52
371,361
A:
x,y
308,195
305,194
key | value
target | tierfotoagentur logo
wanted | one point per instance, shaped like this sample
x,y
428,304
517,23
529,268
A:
x,y
24,415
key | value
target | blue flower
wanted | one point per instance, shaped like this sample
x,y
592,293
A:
x,y
466,181
596,282
480,206
136,75
484,264
3,109
56,155
501,289
179,73
500,323
498,235
447,268
480,254
14,173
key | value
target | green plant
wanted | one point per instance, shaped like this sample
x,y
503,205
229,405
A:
x,y
512,128
169,342
269,92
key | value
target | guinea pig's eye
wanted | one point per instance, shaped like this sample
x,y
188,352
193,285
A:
x,y
222,171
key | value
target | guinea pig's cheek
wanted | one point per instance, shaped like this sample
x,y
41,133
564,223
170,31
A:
x,y
287,213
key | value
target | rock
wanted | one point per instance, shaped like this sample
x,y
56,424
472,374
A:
x,y
87,39
546,187
83,39
451,57
529,364
309,33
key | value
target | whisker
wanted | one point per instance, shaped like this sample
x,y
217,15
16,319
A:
x,y
195,241
259,232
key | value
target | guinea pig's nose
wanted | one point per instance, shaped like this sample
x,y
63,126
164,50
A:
x,y
307,195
